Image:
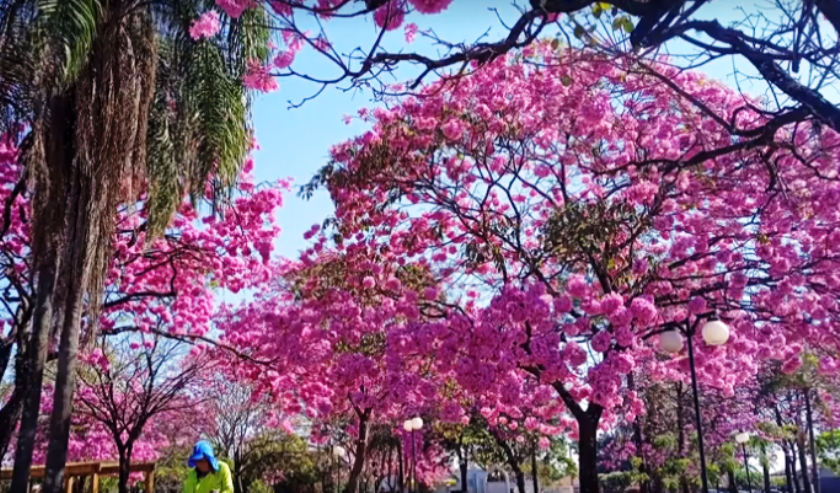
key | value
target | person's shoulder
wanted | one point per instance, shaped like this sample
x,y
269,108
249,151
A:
x,y
224,468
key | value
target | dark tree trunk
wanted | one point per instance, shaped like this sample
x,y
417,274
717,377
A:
x,y
47,241
534,472
815,468
10,413
797,486
402,467
75,260
803,461
588,452
359,458
125,469
513,461
5,357
463,465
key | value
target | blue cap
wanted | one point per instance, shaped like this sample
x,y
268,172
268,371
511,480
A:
x,y
203,450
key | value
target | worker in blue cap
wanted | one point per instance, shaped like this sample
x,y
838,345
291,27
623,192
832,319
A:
x,y
207,474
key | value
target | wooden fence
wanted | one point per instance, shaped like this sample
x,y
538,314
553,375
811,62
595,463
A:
x,y
94,470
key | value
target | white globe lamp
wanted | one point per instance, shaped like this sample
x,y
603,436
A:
x,y
715,333
417,423
407,426
671,341
742,438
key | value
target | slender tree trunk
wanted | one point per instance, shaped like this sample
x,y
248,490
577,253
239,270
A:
x,y
766,469
588,453
803,461
512,460
10,413
402,466
815,468
56,145
463,464
797,486
359,458
534,472
65,386
644,486
681,437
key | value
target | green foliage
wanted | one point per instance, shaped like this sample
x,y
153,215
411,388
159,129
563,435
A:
x,y
259,486
828,450
616,482
73,25
277,452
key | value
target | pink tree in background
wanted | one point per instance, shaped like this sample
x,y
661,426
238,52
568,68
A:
x,y
326,332
579,207
127,385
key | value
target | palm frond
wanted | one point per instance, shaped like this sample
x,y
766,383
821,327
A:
x,y
73,24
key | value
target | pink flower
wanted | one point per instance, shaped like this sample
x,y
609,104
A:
x,y
643,310
235,8
611,303
206,26
258,78
562,304
578,287
601,341
390,16
697,305
452,129
410,32
430,6
284,59
368,282
791,365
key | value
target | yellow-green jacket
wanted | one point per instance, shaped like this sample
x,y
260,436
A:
x,y
220,481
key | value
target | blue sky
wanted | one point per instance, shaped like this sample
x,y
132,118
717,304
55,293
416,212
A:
x,y
295,142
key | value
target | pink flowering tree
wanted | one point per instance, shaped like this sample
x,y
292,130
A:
x,y
324,334
128,384
166,286
631,27
556,201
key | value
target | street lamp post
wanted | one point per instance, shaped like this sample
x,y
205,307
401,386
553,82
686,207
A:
x,y
743,438
412,425
715,333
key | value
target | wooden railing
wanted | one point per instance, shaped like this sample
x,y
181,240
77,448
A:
x,y
95,470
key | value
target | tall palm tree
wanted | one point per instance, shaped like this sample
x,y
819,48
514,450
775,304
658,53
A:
x,y
117,101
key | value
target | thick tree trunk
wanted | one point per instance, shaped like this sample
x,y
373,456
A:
x,y
47,241
803,461
125,469
815,468
34,367
732,484
76,261
359,458
588,454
